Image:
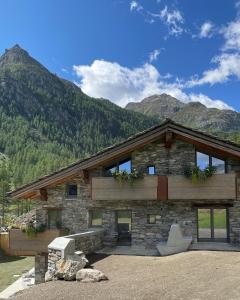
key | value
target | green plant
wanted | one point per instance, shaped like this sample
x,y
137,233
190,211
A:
x,y
124,176
31,231
196,174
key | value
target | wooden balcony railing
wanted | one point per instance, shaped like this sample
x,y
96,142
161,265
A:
x,y
20,242
218,187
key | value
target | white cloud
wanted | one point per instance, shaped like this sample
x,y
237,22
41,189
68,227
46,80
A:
x,y
122,85
154,55
228,64
134,5
206,30
232,36
173,19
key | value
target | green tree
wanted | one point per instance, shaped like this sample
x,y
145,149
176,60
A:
x,y
5,184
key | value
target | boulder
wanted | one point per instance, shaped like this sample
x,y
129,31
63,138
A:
x,y
49,276
67,269
90,275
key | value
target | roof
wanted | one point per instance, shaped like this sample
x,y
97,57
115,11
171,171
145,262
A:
x,y
134,141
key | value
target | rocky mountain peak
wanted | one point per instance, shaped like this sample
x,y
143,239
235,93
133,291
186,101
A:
x,y
16,55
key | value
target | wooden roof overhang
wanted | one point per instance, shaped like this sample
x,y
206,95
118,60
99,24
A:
x,y
200,139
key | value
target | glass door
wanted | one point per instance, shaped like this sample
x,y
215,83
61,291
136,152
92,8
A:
x,y
212,224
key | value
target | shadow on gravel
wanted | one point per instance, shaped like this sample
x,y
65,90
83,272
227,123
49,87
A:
x,y
92,258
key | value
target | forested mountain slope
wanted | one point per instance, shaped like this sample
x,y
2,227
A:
x,y
47,122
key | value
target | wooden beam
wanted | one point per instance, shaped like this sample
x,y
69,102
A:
x,y
43,194
86,177
168,139
162,189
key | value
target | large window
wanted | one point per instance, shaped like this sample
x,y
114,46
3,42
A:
x,y
125,165
54,219
204,160
95,218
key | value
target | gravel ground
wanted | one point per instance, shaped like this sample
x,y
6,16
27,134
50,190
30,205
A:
x,y
191,275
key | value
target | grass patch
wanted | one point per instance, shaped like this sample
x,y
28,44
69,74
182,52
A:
x,y
219,218
13,265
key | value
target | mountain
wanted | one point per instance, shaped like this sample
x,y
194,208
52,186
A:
x,y
47,122
193,114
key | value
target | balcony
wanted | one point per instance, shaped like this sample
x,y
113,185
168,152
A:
x,y
218,187
20,243
108,188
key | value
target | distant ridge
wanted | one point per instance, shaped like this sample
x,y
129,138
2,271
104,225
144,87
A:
x,y
193,114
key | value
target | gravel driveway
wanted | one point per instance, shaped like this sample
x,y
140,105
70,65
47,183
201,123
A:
x,y
191,275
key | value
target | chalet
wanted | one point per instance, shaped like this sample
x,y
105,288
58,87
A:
x,y
141,211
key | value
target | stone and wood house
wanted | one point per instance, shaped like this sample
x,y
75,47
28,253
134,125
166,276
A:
x,y
140,213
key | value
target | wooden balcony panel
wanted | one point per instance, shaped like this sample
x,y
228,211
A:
x,y
218,187
19,241
108,188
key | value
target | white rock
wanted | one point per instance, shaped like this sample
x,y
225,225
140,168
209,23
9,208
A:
x,y
90,275
67,269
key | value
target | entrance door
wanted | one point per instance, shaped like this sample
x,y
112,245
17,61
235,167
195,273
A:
x,y
212,224
124,227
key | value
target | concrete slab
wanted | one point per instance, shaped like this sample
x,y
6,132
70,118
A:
x,y
24,282
214,246
128,250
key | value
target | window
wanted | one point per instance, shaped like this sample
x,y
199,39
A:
x,y
110,170
54,219
219,165
151,219
203,160
151,170
125,165
96,218
72,190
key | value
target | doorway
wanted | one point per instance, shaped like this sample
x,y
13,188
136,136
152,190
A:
x,y
124,227
213,224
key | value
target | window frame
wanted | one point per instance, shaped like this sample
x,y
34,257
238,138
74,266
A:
x,y
148,219
59,212
67,190
117,164
90,213
210,158
151,166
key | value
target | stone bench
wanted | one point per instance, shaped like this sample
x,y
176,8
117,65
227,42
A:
x,y
176,243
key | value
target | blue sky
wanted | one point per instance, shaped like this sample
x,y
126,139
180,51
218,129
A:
x,y
127,50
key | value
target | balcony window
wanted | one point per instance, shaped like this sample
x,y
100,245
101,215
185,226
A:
x,y
151,219
95,218
72,190
219,164
151,170
204,160
125,165
54,219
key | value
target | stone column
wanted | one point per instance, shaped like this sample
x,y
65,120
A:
x,y
41,264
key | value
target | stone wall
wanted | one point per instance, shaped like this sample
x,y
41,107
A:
x,y
166,161
89,241
63,247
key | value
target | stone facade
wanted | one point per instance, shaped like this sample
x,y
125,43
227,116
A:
x,y
173,161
